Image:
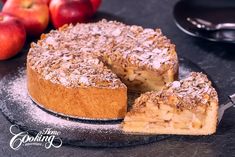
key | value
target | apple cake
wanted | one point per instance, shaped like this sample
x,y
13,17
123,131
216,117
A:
x,y
85,70
187,107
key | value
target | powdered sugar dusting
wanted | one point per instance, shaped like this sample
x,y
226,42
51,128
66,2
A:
x,y
75,47
183,71
17,89
193,90
17,92
189,93
84,80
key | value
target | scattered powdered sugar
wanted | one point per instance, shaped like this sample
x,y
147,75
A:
x,y
16,90
193,90
183,72
116,32
84,80
175,84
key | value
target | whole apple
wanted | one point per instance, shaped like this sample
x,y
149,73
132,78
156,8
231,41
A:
x,y
95,4
46,1
70,11
33,13
3,1
12,36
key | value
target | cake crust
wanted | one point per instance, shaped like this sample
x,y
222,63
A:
x,y
78,102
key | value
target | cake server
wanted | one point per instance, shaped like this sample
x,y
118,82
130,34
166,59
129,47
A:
x,y
209,26
224,107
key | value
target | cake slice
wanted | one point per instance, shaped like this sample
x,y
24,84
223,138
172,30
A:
x,y
186,107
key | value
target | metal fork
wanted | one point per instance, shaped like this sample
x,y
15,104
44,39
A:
x,y
209,26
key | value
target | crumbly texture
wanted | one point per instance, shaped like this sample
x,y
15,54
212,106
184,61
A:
x,y
188,93
188,107
73,55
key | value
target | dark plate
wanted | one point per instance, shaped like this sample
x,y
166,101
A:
x,y
218,11
19,109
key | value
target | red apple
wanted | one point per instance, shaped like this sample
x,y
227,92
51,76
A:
x,y
95,4
70,11
34,14
3,1
12,36
46,1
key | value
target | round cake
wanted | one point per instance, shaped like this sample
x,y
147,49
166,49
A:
x,y
85,70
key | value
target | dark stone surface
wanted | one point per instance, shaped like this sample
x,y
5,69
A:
x,y
218,60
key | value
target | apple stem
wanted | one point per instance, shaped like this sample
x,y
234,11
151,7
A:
x,y
28,5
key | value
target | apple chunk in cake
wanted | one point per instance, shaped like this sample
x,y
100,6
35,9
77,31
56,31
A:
x,y
187,107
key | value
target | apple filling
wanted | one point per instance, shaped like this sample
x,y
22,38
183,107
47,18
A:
x,y
165,116
141,80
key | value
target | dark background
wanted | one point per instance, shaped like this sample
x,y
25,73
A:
x,y
218,60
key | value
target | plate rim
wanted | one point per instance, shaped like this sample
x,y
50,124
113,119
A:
x,y
197,35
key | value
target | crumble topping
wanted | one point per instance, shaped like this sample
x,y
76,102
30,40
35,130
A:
x,y
188,93
72,55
